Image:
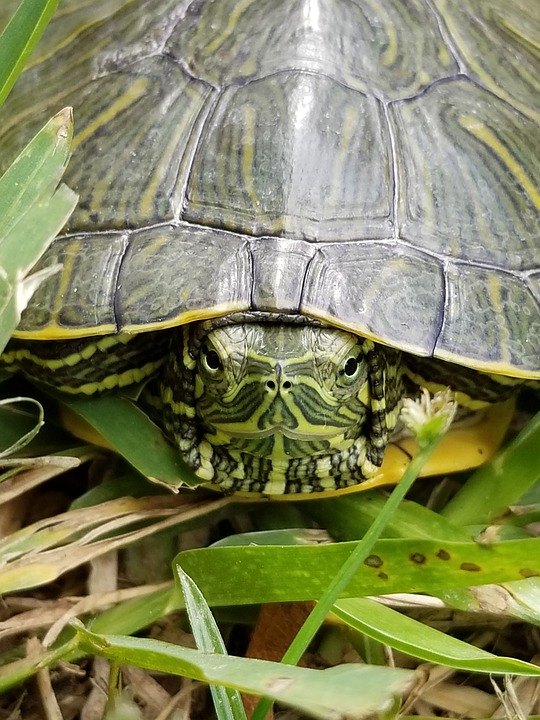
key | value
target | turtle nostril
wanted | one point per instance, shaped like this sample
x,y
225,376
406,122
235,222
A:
x,y
287,384
271,385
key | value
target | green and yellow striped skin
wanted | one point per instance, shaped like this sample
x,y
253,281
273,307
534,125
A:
x,y
370,165
259,403
281,408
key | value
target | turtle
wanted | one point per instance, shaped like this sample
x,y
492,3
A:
x,y
293,214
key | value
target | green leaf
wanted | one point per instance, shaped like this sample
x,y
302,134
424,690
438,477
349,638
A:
x,y
32,211
283,574
422,641
227,701
348,517
500,482
346,691
22,440
19,39
18,419
127,430
27,186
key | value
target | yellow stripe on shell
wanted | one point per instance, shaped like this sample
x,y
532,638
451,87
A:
x,y
515,168
388,58
60,332
216,43
248,146
137,90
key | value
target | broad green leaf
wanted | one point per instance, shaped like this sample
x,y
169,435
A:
x,y
125,428
19,38
348,517
283,574
422,641
346,691
26,189
32,211
227,701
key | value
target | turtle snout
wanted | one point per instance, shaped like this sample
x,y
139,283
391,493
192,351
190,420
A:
x,y
277,381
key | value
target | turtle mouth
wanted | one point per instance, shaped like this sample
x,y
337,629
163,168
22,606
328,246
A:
x,y
278,429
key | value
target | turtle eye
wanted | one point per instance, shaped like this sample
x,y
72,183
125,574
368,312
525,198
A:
x,y
350,370
211,361
351,367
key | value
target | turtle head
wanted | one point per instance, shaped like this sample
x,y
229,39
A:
x,y
282,407
281,390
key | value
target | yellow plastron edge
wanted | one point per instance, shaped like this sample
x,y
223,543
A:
x,y
464,447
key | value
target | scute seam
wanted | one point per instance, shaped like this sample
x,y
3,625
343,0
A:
x,y
116,301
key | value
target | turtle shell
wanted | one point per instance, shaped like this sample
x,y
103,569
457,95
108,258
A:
x,y
375,165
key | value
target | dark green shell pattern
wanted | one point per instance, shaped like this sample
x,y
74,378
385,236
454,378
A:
x,y
371,163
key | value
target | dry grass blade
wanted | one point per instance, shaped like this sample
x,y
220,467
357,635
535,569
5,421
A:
x,y
30,615
37,554
42,469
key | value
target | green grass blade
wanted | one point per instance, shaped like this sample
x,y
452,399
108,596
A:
x,y
227,701
346,691
500,482
422,641
19,39
22,440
